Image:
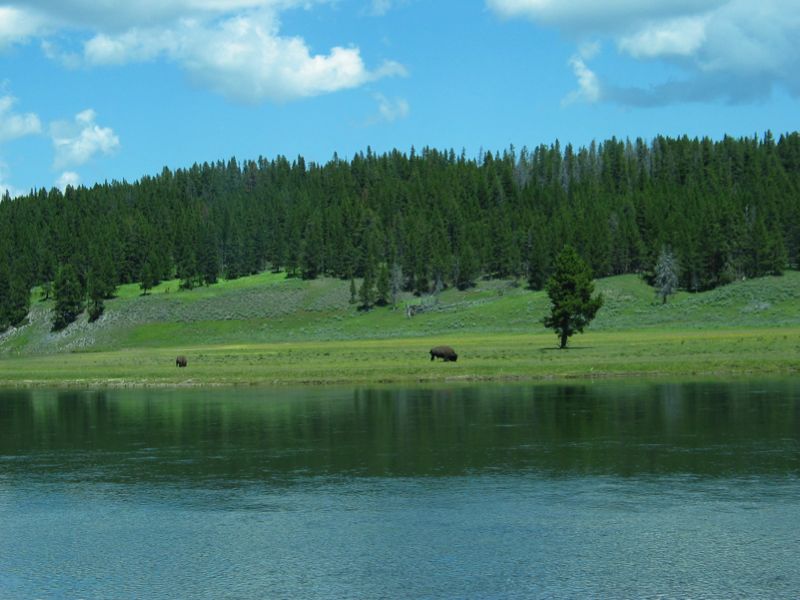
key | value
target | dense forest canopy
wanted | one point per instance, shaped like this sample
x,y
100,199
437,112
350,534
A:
x,y
726,209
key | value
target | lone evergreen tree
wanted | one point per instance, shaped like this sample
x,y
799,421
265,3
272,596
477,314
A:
x,y
570,289
666,280
69,298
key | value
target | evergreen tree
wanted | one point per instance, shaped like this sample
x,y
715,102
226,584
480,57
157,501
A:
x,y
68,297
5,298
148,279
729,208
95,294
234,257
537,258
96,308
19,299
396,282
47,291
186,263
209,256
366,293
383,286
353,297
466,268
187,271
570,289
312,257
775,256
666,274
101,273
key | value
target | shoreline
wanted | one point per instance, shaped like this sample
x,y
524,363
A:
x,y
466,380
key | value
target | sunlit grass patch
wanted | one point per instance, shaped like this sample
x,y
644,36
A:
x,y
270,329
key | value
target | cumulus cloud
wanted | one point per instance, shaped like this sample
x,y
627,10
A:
x,y
68,178
234,47
242,57
114,16
13,125
732,50
134,45
17,25
245,58
678,37
588,83
77,142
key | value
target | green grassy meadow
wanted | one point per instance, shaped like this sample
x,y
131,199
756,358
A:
x,y
267,329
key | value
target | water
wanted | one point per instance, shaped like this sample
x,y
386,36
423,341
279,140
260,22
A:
x,y
608,491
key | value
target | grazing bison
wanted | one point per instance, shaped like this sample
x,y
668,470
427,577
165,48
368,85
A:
x,y
444,352
180,361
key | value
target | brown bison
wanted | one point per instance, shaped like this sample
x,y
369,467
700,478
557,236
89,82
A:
x,y
446,353
180,361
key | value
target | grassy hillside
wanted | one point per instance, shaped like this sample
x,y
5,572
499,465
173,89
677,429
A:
x,y
268,328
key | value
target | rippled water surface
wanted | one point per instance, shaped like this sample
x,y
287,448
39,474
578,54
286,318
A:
x,y
609,490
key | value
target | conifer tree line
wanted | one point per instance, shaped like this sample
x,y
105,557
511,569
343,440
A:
x,y
424,220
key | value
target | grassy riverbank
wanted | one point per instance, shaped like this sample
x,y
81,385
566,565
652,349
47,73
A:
x,y
268,329
653,353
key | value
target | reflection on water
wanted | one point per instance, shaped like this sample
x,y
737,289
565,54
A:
x,y
195,436
606,490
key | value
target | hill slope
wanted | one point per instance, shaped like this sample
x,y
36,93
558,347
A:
x,y
271,330
269,308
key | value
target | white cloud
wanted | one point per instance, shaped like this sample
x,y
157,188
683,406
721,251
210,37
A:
x,y
391,109
242,57
17,25
734,50
76,143
68,178
245,58
609,15
588,84
115,16
5,186
132,45
234,47
13,125
679,37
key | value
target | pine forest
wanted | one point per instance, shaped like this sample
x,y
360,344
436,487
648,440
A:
x,y
719,210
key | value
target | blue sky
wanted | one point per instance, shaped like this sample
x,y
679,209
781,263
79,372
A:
x,y
94,90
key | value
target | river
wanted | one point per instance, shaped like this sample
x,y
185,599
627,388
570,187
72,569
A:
x,y
604,490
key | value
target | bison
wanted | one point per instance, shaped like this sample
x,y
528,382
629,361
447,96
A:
x,y
180,361
446,353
